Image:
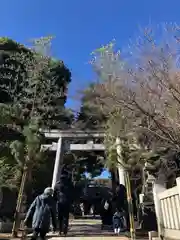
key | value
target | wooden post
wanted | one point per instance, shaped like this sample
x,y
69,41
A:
x,y
130,207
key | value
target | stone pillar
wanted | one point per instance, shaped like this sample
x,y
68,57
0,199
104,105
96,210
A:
x,y
121,169
57,164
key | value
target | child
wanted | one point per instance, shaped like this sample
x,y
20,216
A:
x,y
118,219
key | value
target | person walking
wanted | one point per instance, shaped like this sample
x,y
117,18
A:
x,y
122,203
106,213
40,212
63,192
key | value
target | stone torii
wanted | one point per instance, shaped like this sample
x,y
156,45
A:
x,y
58,137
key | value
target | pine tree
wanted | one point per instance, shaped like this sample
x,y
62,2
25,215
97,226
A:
x,y
32,99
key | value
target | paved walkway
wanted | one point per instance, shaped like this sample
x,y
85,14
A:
x,y
87,229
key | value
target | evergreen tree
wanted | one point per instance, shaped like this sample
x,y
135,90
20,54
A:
x,y
32,87
90,115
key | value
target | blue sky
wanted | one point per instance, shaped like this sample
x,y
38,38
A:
x,y
80,26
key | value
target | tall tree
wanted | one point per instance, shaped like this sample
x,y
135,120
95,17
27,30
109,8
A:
x,y
90,115
143,88
34,90
31,86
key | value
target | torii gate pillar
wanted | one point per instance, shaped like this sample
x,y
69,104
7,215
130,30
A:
x,y
58,162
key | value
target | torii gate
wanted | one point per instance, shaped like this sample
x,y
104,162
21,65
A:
x,y
59,145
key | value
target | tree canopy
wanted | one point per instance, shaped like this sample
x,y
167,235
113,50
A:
x,y
90,115
33,87
137,92
20,69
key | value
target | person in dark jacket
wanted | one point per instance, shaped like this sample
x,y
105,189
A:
x,y
121,202
106,213
63,196
41,211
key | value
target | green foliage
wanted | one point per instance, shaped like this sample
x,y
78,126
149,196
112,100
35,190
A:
x,y
33,140
107,62
6,173
5,117
90,115
7,44
32,88
18,151
4,40
42,173
27,153
35,83
84,162
119,122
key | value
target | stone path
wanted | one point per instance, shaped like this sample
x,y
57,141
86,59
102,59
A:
x,y
87,229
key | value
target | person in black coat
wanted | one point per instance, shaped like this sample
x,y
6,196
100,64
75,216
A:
x,y
63,192
41,211
106,212
121,201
